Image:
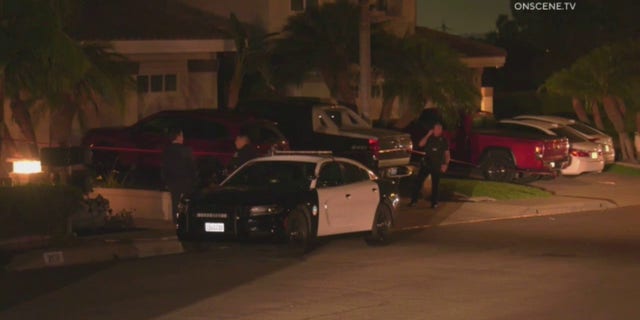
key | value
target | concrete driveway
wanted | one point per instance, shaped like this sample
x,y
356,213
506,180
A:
x,y
619,189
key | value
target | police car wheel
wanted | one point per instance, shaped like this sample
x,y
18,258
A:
x,y
298,233
381,231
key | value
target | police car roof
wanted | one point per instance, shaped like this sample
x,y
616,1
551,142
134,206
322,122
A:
x,y
300,158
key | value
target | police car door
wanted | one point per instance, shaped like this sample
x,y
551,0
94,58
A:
x,y
365,196
334,198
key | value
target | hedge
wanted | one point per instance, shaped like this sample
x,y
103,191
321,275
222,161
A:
x,y
37,210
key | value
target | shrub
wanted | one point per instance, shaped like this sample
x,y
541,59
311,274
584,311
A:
x,y
37,209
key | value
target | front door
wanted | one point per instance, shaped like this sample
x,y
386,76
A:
x,y
334,200
365,196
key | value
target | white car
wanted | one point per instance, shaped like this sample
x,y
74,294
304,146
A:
x,y
592,134
586,156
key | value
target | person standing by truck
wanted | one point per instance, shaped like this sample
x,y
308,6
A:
x,y
178,169
434,162
245,150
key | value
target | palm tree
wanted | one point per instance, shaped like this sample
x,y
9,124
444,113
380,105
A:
x,y
418,70
322,39
364,35
38,59
106,81
571,83
609,74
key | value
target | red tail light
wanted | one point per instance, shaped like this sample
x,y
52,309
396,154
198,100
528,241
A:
x,y
580,153
539,151
374,147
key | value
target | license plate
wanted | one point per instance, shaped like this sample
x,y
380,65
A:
x,y
214,227
594,155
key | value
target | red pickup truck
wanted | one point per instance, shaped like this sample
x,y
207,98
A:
x,y
500,152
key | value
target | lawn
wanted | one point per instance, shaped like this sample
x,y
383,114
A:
x,y
623,170
491,189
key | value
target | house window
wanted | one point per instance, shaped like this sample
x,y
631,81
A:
x,y
157,83
170,82
300,5
143,84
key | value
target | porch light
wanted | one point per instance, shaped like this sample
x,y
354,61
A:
x,y
24,166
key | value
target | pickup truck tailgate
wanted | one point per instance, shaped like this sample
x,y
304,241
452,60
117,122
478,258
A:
x,y
556,149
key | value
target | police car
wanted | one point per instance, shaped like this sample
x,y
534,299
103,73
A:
x,y
294,196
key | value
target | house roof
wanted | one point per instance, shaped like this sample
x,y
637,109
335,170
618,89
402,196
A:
x,y
466,47
108,20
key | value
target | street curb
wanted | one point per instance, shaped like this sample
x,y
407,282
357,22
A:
x,y
512,212
103,252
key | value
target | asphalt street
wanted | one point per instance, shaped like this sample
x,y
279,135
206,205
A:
x,y
575,266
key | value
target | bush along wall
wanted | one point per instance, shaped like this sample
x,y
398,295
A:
x,y
37,210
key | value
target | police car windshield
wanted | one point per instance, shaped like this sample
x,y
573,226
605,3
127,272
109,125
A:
x,y
273,174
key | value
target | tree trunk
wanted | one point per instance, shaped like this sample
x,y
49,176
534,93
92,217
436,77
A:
x,y
621,105
364,89
3,169
579,109
597,116
21,115
235,85
387,108
613,113
343,86
61,124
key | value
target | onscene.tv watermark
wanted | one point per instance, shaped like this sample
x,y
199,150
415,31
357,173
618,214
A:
x,y
544,6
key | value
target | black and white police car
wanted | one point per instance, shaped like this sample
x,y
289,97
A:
x,y
295,196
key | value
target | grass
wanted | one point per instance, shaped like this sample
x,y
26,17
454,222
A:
x,y
491,189
623,170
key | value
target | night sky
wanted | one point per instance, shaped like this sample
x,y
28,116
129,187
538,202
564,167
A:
x,y
461,16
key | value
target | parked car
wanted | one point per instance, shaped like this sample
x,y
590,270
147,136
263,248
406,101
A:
x,y
320,124
586,156
297,197
209,133
501,154
590,133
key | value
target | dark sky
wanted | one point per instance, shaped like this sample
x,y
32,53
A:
x,y
461,16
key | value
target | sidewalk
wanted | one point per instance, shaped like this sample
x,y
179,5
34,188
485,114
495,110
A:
x,y
450,213
158,236
154,237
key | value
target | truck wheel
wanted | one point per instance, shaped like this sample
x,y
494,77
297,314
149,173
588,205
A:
x,y
498,166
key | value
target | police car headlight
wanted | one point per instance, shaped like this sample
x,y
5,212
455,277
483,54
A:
x,y
264,210
395,200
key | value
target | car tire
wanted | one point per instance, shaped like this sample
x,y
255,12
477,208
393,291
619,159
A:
x,y
298,233
498,166
382,229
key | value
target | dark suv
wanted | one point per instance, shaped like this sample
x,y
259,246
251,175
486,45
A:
x,y
320,124
209,133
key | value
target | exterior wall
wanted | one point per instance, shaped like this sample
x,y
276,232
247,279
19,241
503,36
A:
x,y
145,204
194,90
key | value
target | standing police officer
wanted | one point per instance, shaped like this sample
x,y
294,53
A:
x,y
434,163
178,169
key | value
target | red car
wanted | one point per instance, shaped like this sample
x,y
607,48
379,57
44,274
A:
x,y
502,153
209,133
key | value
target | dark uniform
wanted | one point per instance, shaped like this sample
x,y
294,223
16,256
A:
x,y
179,172
248,152
431,164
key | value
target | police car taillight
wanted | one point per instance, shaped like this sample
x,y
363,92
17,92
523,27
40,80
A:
x,y
374,146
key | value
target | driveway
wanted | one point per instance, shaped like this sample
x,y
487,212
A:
x,y
620,189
